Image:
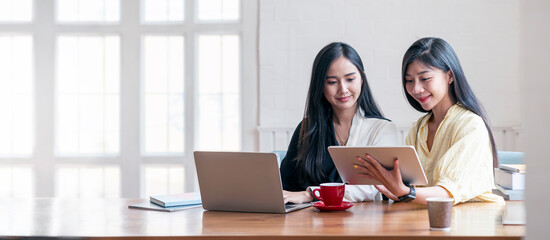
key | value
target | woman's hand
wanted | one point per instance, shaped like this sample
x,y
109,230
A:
x,y
297,197
392,182
382,189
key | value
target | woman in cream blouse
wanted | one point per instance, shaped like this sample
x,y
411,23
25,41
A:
x,y
454,142
340,110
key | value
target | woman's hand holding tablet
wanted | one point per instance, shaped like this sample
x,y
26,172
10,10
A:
x,y
345,160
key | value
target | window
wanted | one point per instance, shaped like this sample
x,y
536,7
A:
x,y
219,86
17,181
163,87
79,11
109,98
87,91
218,10
163,11
16,11
163,179
16,96
88,181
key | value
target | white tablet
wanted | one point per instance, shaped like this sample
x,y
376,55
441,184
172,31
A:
x,y
345,157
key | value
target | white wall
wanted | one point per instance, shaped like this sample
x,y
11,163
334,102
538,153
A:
x,y
535,87
485,35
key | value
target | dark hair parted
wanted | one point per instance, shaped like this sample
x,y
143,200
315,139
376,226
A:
x,y
316,130
436,52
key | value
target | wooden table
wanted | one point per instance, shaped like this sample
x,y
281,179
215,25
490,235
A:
x,y
111,218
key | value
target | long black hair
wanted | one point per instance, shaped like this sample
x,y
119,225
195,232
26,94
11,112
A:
x,y
316,130
436,52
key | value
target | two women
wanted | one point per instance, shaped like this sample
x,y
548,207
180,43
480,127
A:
x,y
453,140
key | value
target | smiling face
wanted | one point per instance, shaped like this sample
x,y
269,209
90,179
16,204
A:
x,y
429,86
342,84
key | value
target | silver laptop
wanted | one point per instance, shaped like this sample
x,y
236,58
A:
x,y
241,181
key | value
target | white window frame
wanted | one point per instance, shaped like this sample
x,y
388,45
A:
x,y
44,29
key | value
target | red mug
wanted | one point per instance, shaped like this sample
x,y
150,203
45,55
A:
x,y
331,194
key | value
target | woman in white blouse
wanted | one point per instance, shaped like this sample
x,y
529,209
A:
x,y
340,110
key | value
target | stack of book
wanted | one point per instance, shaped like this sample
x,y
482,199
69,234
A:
x,y
510,181
170,203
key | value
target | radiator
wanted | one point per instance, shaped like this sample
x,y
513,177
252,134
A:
x,y
278,138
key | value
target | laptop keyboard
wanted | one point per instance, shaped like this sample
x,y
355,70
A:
x,y
292,206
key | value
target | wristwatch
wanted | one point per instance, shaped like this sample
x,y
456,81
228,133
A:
x,y
410,196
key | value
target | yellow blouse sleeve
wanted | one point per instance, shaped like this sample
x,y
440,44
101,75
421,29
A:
x,y
465,169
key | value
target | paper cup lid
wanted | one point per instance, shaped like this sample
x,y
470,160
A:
x,y
437,199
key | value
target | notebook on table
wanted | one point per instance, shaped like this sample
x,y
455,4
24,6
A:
x,y
172,200
147,205
241,181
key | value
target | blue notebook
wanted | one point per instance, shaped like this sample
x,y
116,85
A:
x,y
155,207
173,200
